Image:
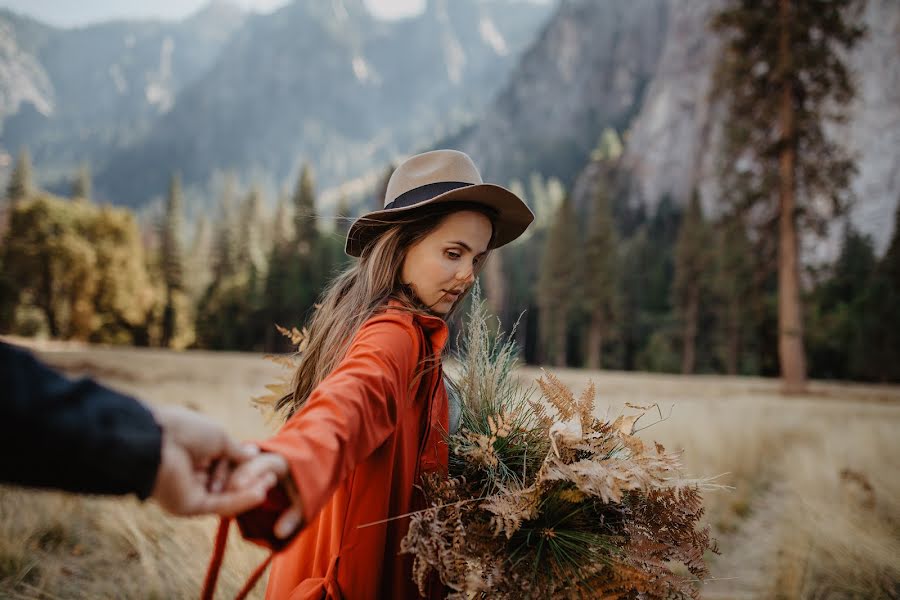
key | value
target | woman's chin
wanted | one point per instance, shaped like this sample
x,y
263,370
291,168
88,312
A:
x,y
441,307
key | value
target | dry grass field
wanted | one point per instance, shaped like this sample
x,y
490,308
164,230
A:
x,y
813,509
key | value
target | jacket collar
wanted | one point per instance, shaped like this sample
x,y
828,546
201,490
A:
x,y
434,327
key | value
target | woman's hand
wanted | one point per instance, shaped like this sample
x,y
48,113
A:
x,y
197,458
260,469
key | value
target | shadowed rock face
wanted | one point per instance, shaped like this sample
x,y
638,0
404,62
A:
x,y
645,68
672,143
79,94
320,80
873,131
587,71
327,83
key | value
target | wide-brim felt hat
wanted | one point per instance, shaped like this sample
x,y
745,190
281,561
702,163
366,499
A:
x,y
436,177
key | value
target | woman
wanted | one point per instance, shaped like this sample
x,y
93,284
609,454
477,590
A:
x,y
369,411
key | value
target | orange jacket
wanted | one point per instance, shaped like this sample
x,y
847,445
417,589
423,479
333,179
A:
x,y
356,451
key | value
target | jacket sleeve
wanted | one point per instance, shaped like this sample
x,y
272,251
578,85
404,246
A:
x,y
76,436
350,413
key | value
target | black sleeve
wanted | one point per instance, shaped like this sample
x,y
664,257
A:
x,y
72,435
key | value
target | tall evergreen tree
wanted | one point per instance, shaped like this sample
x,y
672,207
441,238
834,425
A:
x,y
306,232
277,288
21,183
783,74
601,277
198,263
881,310
81,187
731,285
225,236
343,216
555,285
692,264
172,259
250,254
836,312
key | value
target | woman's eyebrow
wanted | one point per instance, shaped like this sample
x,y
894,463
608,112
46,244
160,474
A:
x,y
463,244
466,246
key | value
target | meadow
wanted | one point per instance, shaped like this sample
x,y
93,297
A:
x,y
811,507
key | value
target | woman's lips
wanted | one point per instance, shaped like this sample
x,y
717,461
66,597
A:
x,y
452,296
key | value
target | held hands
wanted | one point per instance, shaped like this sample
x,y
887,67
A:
x,y
267,465
197,460
202,470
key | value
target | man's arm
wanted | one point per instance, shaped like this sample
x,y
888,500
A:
x,y
79,436
73,435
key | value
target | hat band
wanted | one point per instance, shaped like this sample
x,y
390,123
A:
x,y
423,193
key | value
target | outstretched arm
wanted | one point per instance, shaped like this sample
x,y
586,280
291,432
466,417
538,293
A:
x,y
80,436
346,418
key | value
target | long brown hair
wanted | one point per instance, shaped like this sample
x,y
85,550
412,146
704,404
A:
x,y
364,289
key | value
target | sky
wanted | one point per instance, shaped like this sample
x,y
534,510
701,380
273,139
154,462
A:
x,y
69,13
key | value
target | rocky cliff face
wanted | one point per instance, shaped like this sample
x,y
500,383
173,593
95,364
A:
x,y
587,71
668,146
324,81
671,146
873,132
80,94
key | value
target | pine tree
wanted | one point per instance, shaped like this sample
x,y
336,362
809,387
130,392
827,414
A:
x,y
555,285
306,232
836,315
81,187
881,311
172,259
200,258
249,251
282,231
225,236
21,183
783,74
692,263
732,283
343,216
601,277
277,287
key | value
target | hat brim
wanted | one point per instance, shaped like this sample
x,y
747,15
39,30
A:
x,y
513,215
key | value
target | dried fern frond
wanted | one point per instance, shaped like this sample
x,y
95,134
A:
x,y
552,503
495,408
267,402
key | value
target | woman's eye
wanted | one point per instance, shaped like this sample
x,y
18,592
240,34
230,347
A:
x,y
453,255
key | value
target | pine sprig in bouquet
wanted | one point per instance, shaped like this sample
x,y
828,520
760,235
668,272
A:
x,y
546,500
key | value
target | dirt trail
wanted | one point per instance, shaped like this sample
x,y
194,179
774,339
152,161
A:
x,y
747,567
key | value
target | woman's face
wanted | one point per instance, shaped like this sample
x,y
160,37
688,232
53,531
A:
x,y
441,266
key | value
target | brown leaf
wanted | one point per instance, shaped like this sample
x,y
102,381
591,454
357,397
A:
x,y
639,406
625,424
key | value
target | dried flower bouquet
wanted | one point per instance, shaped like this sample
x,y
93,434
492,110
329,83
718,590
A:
x,y
546,500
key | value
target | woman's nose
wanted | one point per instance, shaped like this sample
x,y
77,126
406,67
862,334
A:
x,y
466,276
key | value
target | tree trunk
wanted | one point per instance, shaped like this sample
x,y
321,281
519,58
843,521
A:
x,y
733,337
494,280
45,299
790,324
595,342
690,330
559,342
168,324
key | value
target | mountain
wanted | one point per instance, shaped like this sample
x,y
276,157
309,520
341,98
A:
x,y
81,94
324,81
644,68
587,71
672,142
